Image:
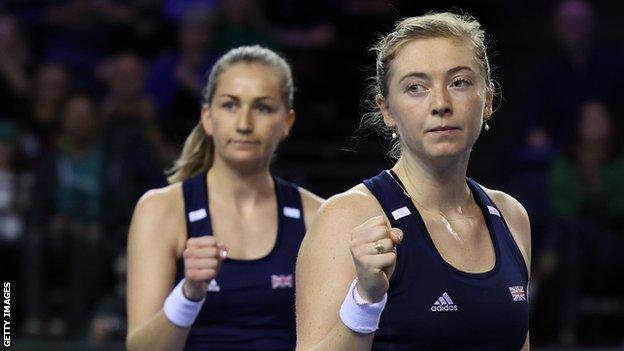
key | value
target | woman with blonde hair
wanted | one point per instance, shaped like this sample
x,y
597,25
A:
x,y
211,257
420,257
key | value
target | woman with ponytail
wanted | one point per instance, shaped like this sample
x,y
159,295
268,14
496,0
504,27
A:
x,y
211,257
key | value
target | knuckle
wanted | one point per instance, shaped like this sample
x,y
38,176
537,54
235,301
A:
x,y
353,245
209,240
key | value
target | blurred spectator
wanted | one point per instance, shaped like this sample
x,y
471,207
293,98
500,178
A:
x,y
302,25
13,193
151,31
582,257
241,22
45,103
588,178
83,196
176,78
136,25
578,70
11,202
125,76
75,37
127,107
66,217
581,70
14,59
306,33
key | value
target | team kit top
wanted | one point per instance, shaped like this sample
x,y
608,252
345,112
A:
x,y
250,305
434,306
431,304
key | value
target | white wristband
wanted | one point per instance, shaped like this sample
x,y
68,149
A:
x,y
179,310
359,316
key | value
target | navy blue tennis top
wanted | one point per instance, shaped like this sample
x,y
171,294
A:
x,y
434,306
250,305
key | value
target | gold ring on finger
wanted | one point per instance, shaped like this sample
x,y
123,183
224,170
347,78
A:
x,y
379,247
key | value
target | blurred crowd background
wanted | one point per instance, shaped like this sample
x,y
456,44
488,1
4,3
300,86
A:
x,y
97,96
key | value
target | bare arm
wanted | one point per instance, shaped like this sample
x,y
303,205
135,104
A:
x,y
152,252
324,272
325,269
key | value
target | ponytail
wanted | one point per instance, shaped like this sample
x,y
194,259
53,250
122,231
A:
x,y
196,157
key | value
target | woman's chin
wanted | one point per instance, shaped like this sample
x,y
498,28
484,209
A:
x,y
246,162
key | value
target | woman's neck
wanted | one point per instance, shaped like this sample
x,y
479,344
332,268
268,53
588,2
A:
x,y
240,186
437,187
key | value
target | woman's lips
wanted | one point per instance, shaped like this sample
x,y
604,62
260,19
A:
x,y
244,142
443,130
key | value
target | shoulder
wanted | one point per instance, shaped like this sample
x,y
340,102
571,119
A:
x,y
348,209
512,209
156,202
161,212
517,219
310,200
325,247
311,203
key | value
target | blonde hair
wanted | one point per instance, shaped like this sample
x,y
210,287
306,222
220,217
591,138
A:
x,y
198,152
432,25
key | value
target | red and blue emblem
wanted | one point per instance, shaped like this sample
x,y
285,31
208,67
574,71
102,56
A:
x,y
517,293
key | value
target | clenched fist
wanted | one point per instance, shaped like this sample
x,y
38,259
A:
x,y
373,247
202,259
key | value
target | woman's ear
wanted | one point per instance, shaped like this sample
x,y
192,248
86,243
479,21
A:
x,y
385,110
290,121
206,119
489,102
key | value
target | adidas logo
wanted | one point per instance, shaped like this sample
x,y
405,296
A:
x,y
213,286
444,304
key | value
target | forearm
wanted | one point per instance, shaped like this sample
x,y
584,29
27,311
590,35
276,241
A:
x,y
339,338
159,334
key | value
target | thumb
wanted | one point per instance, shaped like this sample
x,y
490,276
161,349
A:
x,y
396,235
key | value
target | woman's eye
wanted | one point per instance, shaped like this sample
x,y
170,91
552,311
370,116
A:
x,y
460,83
264,109
229,105
414,88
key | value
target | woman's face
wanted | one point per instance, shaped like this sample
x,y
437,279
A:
x,y
81,121
436,98
248,116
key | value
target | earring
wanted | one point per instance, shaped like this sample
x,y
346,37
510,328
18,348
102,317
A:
x,y
394,134
488,114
